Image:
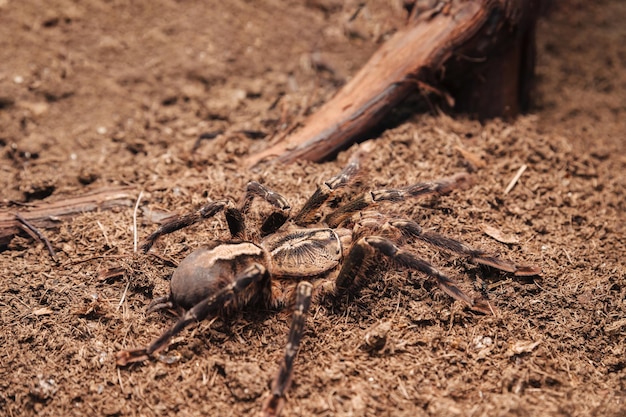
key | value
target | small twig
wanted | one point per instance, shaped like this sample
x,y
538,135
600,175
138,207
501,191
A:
x,y
123,296
38,235
119,379
567,256
205,136
516,178
135,222
104,233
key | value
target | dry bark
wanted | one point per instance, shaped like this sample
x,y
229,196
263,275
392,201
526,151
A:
x,y
47,215
443,42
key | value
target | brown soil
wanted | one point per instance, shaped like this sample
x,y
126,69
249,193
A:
x,y
99,94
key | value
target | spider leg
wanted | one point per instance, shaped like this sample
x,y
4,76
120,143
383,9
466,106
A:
x,y
411,229
306,215
233,216
362,256
210,305
274,403
370,198
159,304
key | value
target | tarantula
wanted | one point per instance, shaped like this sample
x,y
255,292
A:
x,y
290,255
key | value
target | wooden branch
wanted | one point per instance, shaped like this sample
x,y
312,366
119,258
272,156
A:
x,y
46,215
448,38
37,235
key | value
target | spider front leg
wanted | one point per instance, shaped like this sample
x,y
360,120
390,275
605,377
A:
x,y
362,256
210,305
235,217
274,403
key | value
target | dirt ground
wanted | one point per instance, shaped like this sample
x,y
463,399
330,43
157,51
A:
x,y
96,95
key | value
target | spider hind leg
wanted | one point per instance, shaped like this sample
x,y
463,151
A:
x,y
210,305
275,401
410,229
362,255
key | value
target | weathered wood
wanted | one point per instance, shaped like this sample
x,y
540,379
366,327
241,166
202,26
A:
x,y
442,40
46,215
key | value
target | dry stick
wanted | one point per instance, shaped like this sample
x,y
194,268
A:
x,y
134,245
45,215
38,235
119,379
123,296
135,222
515,179
434,41
387,78
104,233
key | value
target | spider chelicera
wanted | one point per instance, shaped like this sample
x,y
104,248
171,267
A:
x,y
295,259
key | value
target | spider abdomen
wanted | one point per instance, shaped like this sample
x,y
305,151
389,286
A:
x,y
206,270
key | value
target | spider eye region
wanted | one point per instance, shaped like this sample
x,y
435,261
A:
x,y
304,253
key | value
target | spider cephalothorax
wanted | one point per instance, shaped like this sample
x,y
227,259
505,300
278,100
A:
x,y
293,258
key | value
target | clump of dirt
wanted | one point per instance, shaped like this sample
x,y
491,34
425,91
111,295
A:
x,y
100,95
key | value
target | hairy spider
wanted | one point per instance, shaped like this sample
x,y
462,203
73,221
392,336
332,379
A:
x,y
296,258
